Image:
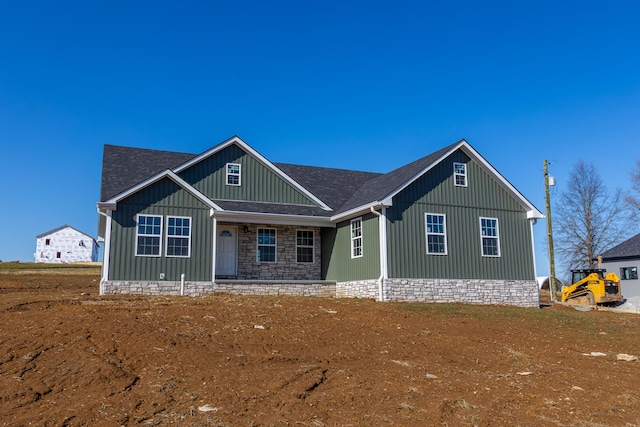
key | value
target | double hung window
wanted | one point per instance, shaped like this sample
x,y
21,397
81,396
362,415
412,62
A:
x,y
304,246
234,174
178,236
460,174
148,233
266,245
490,237
436,227
356,237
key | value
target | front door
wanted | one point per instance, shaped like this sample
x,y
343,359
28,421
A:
x,y
226,251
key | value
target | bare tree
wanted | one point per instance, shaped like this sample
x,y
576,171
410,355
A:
x,y
589,219
634,199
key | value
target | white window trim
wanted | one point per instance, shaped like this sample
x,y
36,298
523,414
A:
x,y
313,247
353,239
275,245
497,237
166,231
427,233
239,174
456,174
149,235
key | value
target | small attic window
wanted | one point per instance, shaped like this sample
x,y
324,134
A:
x,y
47,242
233,174
460,174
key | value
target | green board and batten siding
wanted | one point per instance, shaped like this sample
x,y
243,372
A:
x,y
258,182
161,198
435,192
336,243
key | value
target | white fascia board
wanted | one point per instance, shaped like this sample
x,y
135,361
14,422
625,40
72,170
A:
x,y
532,211
534,214
360,210
390,196
112,202
262,218
247,148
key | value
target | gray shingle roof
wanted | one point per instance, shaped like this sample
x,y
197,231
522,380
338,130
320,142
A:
x,y
332,186
124,167
627,249
381,186
342,190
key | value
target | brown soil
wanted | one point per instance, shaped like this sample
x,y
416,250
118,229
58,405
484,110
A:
x,y
70,357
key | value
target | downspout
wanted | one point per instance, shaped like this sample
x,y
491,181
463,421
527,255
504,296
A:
x,y
107,249
533,222
214,243
382,233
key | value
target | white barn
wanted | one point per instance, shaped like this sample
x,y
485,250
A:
x,y
64,245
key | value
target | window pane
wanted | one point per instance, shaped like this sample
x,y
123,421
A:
x,y
435,244
490,246
304,254
177,246
148,245
357,247
267,253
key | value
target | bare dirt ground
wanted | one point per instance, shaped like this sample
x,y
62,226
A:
x,y
69,357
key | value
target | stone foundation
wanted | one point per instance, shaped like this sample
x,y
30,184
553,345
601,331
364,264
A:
x,y
522,293
315,288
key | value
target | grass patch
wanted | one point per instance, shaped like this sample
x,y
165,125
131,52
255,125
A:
x,y
591,323
41,268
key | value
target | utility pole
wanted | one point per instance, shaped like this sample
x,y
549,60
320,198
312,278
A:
x,y
552,265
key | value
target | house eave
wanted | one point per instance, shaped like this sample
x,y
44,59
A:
x,y
361,210
107,206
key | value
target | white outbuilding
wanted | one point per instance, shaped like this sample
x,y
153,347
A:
x,y
64,245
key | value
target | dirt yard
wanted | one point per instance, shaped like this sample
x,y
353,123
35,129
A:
x,y
69,357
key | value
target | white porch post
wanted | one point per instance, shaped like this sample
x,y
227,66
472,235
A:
x,y
214,249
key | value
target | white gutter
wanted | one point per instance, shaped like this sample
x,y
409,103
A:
x,y
106,253
532,222
382,233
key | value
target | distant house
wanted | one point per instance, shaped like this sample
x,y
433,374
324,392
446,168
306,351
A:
x,y
65,244
624,260
445,228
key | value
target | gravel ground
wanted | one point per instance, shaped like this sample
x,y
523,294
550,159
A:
x,y
630,304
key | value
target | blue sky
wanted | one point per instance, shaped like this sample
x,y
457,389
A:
x,y
363,85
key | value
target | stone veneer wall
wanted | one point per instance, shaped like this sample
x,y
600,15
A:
x,y
358,289
522,293
285,267
275,287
